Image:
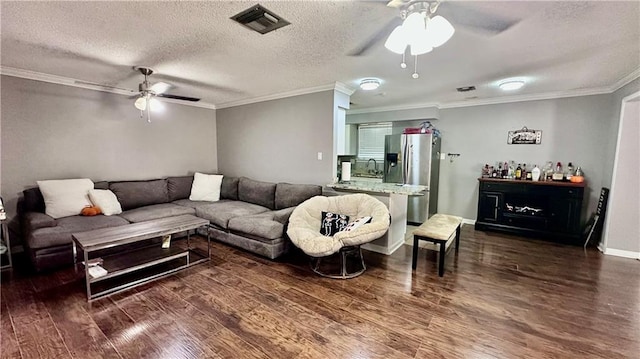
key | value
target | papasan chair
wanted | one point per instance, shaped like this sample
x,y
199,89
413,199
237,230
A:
x,y
306,221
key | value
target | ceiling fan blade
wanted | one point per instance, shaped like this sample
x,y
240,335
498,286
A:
x,y
396,3
176,97
379,36
160,87
476,20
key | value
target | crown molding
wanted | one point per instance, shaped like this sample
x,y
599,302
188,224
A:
x,y
526,98
337,86
626,80
340,87
393,108
68,81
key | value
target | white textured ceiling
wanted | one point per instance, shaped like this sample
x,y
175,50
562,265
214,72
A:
x,y
557,46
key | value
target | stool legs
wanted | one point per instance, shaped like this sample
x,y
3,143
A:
x,y
441,254
414,259
458,237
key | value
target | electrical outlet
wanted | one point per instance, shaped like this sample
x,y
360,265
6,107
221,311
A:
x,y
443,156
319,156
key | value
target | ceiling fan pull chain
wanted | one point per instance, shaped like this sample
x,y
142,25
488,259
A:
x,y
148,114
415,72
403,64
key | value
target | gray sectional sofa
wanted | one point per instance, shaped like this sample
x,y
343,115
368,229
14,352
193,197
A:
x,y
251,214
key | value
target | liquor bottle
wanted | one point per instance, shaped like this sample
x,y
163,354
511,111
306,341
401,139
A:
x,y
528,175
523,175
557,174
548,171
518,172
535,173
499,173
505,170
494,172
570,172
512,170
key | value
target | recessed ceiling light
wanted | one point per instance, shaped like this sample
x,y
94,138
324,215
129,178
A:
x,y
369,84
510,85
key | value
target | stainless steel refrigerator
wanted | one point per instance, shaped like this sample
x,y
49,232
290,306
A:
x,y
414,159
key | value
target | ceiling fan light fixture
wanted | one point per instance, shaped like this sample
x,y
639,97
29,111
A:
x,y
155,105
141,103
440,31
369,84
511,85
397,42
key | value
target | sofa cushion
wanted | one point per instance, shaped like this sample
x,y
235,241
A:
x,y
134,194
229,188
155,211
194,204
101,185
106,201
32,200
260,225
64,198
205,187
290,195
219,213
257,192
61,234
179,187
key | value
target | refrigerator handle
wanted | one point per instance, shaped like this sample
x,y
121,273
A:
x,y
405,162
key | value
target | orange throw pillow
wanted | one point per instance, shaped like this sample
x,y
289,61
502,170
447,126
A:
x,y
91,211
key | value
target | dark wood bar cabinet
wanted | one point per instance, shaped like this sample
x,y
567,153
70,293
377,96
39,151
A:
x,y
544,209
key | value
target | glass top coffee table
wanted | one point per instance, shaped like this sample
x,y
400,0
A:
x,y
122,259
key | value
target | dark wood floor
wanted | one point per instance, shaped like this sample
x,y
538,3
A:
x,y
501,297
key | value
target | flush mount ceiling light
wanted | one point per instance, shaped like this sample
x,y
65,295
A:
x,y
421,31
511,85
369,84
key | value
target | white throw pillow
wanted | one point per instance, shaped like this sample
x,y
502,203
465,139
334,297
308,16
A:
x,y
64,198
206,187
106,201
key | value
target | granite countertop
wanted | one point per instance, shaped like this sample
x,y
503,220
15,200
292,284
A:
x,y
410,190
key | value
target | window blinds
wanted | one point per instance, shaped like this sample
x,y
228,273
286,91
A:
x,y
371,140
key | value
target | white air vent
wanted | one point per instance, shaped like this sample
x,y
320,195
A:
x,y
259,19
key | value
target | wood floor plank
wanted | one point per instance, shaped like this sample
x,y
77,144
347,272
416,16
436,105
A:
x,y
9,347
40,339
227,345
94,350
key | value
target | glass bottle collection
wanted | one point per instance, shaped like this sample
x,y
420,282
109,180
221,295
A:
x,y
521,171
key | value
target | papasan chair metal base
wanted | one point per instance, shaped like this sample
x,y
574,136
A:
x,y
344,272
304,232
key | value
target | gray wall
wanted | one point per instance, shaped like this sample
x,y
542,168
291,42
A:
x,y
278,140
573,130
54,132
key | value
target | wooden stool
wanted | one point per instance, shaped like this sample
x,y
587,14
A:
x,y
439,229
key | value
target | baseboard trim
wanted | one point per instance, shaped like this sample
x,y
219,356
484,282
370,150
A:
x,y
621,253
469,221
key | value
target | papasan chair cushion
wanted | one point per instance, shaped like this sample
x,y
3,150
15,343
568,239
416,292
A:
x,y
304,223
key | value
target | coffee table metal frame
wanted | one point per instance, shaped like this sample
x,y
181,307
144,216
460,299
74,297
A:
x,y
101,239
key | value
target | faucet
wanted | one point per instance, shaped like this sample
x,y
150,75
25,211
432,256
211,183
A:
x,y
375,166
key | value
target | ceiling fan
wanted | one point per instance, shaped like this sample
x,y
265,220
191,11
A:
x,y
460,14
146,99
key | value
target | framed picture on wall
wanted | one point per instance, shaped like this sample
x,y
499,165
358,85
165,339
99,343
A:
x,y
524,136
